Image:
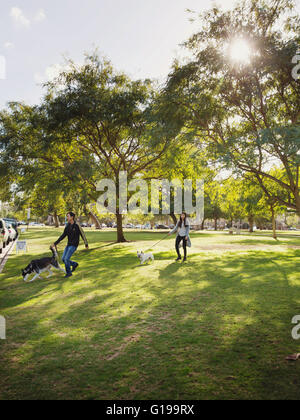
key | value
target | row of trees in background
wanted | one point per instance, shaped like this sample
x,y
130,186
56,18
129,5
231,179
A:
x,y
235,200
212,114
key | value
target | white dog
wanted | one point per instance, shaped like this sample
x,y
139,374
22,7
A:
x,y
145,257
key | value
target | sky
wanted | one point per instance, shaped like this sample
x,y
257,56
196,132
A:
x,y
140,37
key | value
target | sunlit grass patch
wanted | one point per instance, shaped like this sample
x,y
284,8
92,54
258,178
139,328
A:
x,y
218,326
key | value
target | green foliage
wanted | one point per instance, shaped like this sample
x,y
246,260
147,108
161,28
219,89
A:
x,y
246,115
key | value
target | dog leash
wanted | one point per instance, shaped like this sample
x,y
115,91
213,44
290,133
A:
x,y
55,249
157,243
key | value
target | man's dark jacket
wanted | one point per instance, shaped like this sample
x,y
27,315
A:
x,y
72,231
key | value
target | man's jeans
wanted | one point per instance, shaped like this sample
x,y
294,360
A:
x,y
68,252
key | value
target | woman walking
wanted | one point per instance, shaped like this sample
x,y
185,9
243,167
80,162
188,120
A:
x,y
183,229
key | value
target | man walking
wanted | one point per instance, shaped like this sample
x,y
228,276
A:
x,y
73,230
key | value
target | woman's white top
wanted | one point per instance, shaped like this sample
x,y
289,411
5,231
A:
x,y
183,231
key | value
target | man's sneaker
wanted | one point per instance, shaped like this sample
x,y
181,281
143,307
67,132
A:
x,y
74,267
68,275
178,259
184,259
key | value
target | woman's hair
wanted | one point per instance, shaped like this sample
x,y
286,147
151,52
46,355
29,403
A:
x,y
71,214
185,220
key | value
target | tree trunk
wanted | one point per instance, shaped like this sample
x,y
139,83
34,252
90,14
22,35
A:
x,y
297,198
56,220
174,218
251,223
95,220
202,224
120,234
216,224
273,223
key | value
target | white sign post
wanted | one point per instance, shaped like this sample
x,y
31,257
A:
x,y
21,246
28,217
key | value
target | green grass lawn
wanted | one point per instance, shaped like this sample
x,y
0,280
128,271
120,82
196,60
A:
x,y
216,327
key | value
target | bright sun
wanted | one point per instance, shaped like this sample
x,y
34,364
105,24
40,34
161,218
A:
x,y
239,51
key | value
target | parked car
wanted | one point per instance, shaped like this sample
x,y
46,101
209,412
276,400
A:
x,y
129,226
12,233
147,226
162,227
4,233
11,224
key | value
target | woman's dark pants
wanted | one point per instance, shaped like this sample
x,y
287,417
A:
x,y
178,240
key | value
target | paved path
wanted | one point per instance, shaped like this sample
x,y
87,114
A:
x,y
5,254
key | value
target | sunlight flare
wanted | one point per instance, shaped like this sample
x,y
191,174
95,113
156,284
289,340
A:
x,y
240,51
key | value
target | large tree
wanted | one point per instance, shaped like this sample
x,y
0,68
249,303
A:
x,y
110,118
92,124
247,113
35,174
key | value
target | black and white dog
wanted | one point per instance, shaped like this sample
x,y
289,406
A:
x,y
39,266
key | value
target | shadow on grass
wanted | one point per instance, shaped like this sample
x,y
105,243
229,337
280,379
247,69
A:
x,y
217,327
